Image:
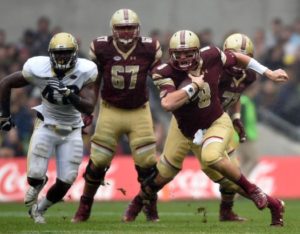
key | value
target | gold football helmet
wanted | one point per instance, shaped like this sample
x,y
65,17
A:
x,y
125,25
239,43
63,50
184,50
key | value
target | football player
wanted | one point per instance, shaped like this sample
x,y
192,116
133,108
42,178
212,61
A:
x,y
233,82
124,60
197,113
67,87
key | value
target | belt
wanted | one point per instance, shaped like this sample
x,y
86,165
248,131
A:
x,y
55,127
60,129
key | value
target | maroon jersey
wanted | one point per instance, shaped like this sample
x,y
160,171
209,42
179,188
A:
x,y
206,108
232,83
124,75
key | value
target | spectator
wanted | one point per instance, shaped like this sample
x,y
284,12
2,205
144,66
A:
x,y
43,36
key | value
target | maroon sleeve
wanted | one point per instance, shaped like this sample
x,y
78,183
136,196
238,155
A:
x,y
230,59
162,79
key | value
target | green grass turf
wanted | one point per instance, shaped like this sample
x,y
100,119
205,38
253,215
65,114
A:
x,y
175,217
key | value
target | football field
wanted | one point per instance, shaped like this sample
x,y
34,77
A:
x,y
175,217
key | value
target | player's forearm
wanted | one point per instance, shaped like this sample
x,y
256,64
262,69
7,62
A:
x,y
81,104
174,100
5,93
244,61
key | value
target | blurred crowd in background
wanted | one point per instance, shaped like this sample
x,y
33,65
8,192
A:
x,y
277,47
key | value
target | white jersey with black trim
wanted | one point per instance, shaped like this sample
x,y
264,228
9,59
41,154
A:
x,y
55,108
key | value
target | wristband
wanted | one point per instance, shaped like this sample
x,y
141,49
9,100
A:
x,y
256,66
236,116
190,90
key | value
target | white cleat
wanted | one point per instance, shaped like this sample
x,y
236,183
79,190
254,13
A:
x,y
32,193
37,215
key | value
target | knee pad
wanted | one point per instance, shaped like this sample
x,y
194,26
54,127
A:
x,y
94,175
37,161
166,169
212,151
228,187
101,155
144,173
57,191
144,155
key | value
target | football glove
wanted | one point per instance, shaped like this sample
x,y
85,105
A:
x,y
239,128
59,87
6,123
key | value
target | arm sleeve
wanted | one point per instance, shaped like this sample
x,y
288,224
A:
x,y
163,83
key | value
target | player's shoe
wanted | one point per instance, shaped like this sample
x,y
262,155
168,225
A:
x,y
133,209
84,210
227,214
150,210
259,198
36,215
277,210
32,193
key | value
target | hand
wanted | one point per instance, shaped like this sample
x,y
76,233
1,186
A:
x,y
198,80
87,120
6,123
239,128
278,75
59,87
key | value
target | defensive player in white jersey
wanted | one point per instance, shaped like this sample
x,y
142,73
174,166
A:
x,y
67,87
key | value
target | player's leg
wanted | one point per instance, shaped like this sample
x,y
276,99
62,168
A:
x,y
40,150
42,147
175,149
212,156
226,212
69,153
228,193
142,144
103,146
227,189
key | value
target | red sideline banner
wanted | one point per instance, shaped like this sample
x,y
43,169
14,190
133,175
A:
x,y
277,176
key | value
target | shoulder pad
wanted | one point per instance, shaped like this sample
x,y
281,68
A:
x,y
39,66
85,65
